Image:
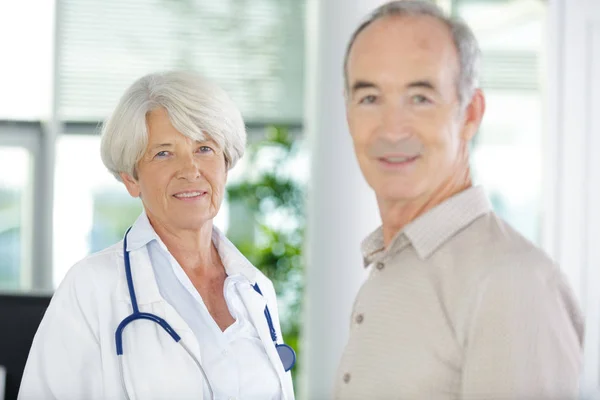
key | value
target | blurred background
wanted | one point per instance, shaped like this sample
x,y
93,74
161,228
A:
x,y
296,204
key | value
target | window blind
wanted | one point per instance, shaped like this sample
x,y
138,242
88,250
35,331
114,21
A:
x,y
254,49
510,70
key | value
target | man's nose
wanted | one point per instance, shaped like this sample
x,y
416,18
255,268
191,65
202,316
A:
x,y
395,122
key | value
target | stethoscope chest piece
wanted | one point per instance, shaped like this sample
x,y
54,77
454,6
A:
x,y
287,356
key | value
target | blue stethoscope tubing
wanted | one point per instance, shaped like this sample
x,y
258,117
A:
x,y
285,352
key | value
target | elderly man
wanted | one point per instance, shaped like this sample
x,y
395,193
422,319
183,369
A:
x,y
457,303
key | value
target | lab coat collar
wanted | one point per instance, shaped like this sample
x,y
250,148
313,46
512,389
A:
x,y
144,281
141,233
234,262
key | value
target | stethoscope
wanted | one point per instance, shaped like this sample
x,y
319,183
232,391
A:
x,y
285,352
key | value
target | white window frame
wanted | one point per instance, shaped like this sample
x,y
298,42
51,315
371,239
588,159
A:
x,y
26,135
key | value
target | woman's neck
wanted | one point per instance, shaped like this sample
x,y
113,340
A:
x,y
193,249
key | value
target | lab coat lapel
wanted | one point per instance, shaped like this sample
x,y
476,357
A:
x,y
235,263
255,304
137,339
144,281
150,300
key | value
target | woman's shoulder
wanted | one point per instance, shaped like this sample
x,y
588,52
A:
x,y
266,286
94,270
262,279
88,287
105,259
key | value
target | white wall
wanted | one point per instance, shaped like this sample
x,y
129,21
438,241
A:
x,y
342,208
572,167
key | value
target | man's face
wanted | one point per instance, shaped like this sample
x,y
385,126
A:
x,y
403,108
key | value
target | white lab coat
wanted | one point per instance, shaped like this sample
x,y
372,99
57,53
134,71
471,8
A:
x,y
73,355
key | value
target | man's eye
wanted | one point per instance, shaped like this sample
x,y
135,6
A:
x,y
419,99
370,99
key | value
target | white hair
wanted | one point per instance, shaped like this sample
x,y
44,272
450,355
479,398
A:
x,y
469,53
197,108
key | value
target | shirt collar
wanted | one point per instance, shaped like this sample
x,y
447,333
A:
x,y
142,233
432,229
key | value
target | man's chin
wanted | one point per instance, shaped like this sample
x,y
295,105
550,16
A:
x,y
399,194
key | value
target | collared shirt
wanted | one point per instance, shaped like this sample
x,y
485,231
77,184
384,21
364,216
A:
x,y
461,306
234,360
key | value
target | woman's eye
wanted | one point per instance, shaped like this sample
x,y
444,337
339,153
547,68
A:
x,y
205,149
162,154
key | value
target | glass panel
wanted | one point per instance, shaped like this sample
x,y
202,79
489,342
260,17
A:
x,y
268,220
14,189
85,189
26,29
506,156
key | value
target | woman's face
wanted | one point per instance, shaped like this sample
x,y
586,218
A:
x,y
180,181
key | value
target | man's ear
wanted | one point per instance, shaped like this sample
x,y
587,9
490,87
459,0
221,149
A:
x,y
473,115
346,106
132,185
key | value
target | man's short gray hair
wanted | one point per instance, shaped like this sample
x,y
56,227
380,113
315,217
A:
x,y
197,108
469,54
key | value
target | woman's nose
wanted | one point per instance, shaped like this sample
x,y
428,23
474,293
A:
x,y
189,169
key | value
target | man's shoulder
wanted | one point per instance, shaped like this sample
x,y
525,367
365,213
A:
x,y
505,270
511,265
490,250
492,238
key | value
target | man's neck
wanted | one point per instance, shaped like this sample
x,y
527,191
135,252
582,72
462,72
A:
x,y
396,214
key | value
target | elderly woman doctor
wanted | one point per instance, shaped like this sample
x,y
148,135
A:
x,y
189,316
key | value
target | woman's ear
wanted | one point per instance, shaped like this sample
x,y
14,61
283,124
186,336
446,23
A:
x,y
132,185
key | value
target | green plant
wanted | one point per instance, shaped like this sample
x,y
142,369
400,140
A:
x,y
270,195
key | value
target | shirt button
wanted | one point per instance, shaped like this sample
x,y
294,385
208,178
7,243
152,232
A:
x,y
359,318
379,266
346,377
